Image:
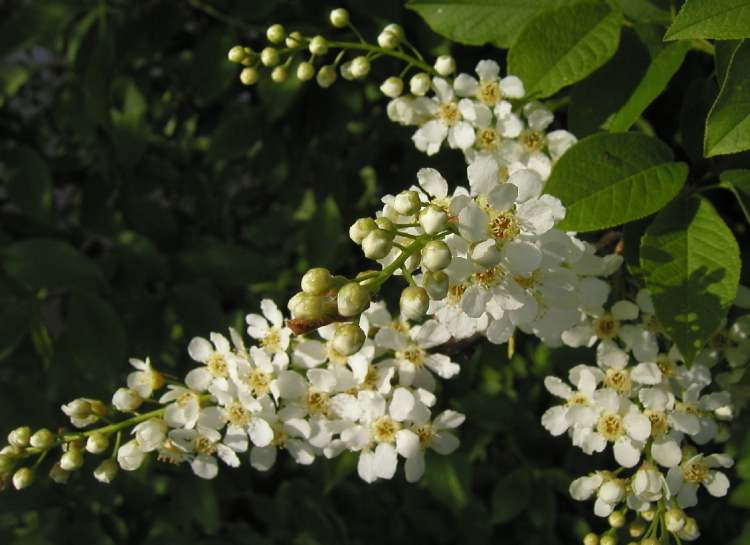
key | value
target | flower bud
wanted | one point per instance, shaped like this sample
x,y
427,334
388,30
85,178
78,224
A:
x,y
647,515
11,451
269,57
616,519
106,471
249,76
126,400
98,408
385,224
636,529
97,443
360,229
419,84
6,464
611,491
346,71
129,456
360,67
649,541
392,87
304,306
71,460
436,255
432,219
318,46
305,71
42,439
294,39
23,478
591,539
407,203
414,302
276,34
608,539
445,65
690,530
396,30
339,17
352,299
436,283
674,518
412,262
279,74
348,339
326,76
236,54
377,244
19,437
317,281
150,434
387,39
58,474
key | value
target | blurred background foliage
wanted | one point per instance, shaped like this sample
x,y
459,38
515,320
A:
x,y
147,197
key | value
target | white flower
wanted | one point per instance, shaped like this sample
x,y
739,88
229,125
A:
x,y
126,400
150,434
447,122
217,358
130,456
412,442
270,332
144,380
578,409
183,409
683,481
491,88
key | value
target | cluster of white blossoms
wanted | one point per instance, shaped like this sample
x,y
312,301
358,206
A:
x,y
653,410
302,395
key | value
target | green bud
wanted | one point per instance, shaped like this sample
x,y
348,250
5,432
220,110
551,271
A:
x,y
591,539
305,306
352,299
97,443
377,244
674,519
318,46
326,76
339,18
305,71
249,76
387,39
236,54
106,471
636,528
98,408
23,478
360,67
276,34
6,464
71,460
269,57
437,284
19,437
279,74
361,228
420,84
317,281
436,255
42,438
432,219
414,302
294,39
385,224
58,474
407,203
616,519
649,541
348,339
608,539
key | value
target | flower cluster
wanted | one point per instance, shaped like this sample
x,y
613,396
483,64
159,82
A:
x,y
302,395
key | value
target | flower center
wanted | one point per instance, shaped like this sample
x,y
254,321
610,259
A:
x,y
384,429
413,354
204,445
687,408
610,426
618,380
504,226
606,327
259,382
665,365
371,379
169,453
317,402
578,399
487,139
334,355
237,414
425,435
185,398
532,140
658,421
490,277
448,113
527,282
489,93
272,341
217,365
695,472
455,293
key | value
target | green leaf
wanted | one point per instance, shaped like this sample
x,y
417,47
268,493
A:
x,y
645,11
29,182
716,19
564,45
449,479
699,97
41,263
477,22
738,182
724,49
15,321
692,265
609,179
728,123
511,495
663,66
129,130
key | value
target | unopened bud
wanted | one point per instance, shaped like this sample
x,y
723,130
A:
x,y
42,439
236,54
591,539
392,87
294,39
432,219
445,65
649,541
305,71
608,539
339,17
436,283
98,408
318,46
616,519
361,228
407,203
97,443
23,478
385,224
326,76
71,460
304,306
647,515
317,281
348,339
269,56
690,530
436,255
249,76
396,30
276,34
412,262
419,84
20,437
387,39
352,299
346,71
126,400
58,474
6,464
360,67
674,518
279,74
377,244
106,471
636,528
414,302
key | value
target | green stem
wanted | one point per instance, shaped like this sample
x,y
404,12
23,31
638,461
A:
x,y
389,52
408,276
386,273
704,46
644,126
709,188
117,426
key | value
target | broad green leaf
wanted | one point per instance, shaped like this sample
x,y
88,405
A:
x,y
724,49
511,495
449,479
663,66
609,179
728,123
477,22
129,130
645,11
692,265
15,321
42,263
12,78
716,19
564,45
29,182
738,182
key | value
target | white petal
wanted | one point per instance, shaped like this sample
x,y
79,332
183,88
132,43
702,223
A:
x,y
407,443
512,87
483,174
260,432
488,70
584,487
414,467
472,223
528,182
609,355
385,461
502,197
666,451
521,258
262,458
199,379
646,373
625,310
200,349
626,452
290,385
461,135
401,404
433,182
272,312
205,467
637,425
555,420
717,484
444,442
